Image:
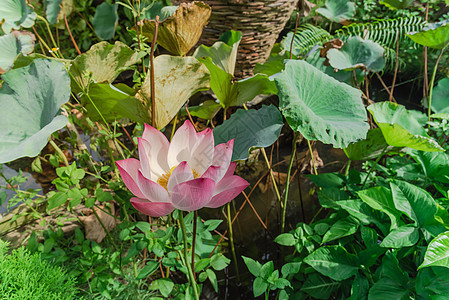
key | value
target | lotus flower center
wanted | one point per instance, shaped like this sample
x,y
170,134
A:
x,y
163,180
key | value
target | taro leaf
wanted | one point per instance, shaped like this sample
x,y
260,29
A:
x,y
404,236
102,63
357,53
341,228
433,35
52,10
380,198
337,10
320,107
180,32
437,253
176,80
13,44
318,62
440,97
396,4
319,287
30,100
415,202
223,55
158,9
206,110
401,127
114,102
250,128
236,93
435,164
15,14
334,262
105,20
373,146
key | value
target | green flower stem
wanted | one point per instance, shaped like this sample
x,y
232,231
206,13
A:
x,y
186,256
57,149
311,157
290,165
432,80
231,240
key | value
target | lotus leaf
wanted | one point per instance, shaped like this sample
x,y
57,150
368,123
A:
x,y
357,53
102,63
176,80
401,127
105,20
320,107
180,32
337,10
158,9
12,45
16,14
30,101
433,35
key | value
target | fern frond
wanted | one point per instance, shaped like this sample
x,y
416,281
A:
x,y
306,37
384,31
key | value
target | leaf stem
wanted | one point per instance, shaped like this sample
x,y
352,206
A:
x,y
186,256
57,149
290,165
231,240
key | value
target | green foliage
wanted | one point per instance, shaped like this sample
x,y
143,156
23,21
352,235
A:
x,y
30,107
105,20
305,38
440,97
27,276
337,10
12,45
433,35
16,14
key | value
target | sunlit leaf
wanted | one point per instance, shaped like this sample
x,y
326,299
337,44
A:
x,y
250,128
29,108
404,236
337,10
373,146
12,45
437,253
341,228
176,80
357,53
320,107
433,35
16,14
180,32
157,8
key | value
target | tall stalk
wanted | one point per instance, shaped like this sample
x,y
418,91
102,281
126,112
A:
x,y
284,209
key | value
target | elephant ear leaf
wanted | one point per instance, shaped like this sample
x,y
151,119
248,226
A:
x,y
433,35
30,107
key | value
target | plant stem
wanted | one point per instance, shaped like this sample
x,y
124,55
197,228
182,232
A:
x,y
372,167
290,165
429,101
57,149
311,157
195,217
153,92
186,256
231,240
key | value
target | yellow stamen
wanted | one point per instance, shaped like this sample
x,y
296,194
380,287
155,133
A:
x,y
163,180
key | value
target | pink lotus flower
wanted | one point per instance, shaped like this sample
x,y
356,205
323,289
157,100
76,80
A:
x,y
189,173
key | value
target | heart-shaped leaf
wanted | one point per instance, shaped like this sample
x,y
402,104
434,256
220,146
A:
x,y
16,14
337,10
11,45
180,32
437,253
440,97
250,128
373,146
29,108
357,53
401,127
102,63
105,20
433,35
320,107
176,80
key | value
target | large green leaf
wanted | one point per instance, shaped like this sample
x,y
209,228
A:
x,y
102,63
415,202
114,102
15,14
157,8
250,128
320,107
30,99
52,9
357,53
337,10
432,281
433,35
440,97
373,146
341,228
12,45
396,4
380,198
362,212
437,253
401,127
334,262
206,110
224,55
435,164
385,288
319,287
231,93
105,20
404,236
180,32
176,80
